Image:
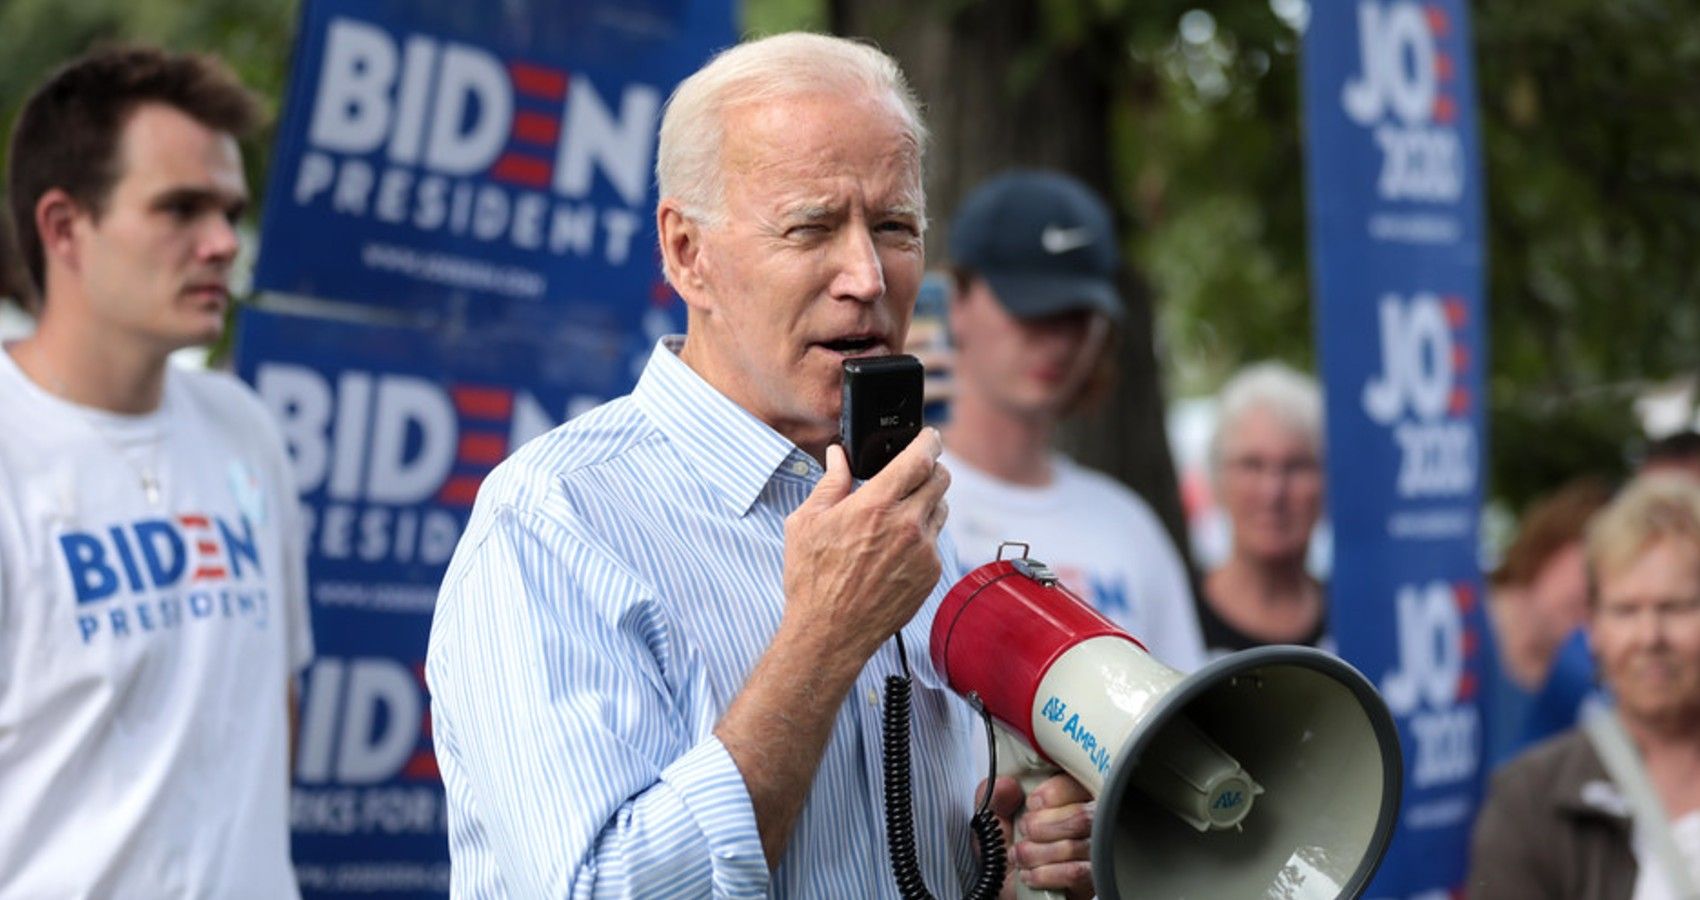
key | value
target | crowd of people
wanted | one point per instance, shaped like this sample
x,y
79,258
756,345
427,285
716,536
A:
x,y
649,596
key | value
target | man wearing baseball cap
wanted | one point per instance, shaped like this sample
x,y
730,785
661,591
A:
x,y
1032,318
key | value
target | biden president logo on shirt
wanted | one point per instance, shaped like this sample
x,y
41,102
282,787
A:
x,y
157,574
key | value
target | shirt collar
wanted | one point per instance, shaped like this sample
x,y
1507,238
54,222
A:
x,y
730,450
1582,787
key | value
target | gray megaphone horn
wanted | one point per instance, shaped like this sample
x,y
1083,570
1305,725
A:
x,y
1269,773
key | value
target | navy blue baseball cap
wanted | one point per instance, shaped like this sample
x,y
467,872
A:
x,y
1042,240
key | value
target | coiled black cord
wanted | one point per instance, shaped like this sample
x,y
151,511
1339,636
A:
x,y
899,813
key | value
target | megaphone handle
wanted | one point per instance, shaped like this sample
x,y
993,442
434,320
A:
x,y
1029,769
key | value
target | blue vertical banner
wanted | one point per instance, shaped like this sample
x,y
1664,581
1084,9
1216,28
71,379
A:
x,y
390,431
1398,266
483,169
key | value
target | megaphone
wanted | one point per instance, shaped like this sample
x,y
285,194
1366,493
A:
x,y
1269,773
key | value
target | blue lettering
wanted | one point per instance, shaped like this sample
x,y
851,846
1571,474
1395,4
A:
x,y
200,604
170,611
120,622
240,548
90,575
166,571
1228,800
131,570
1085,739
1109,595
88,625
224,603
245,601
145,617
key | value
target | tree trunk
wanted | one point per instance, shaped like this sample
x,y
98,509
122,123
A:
x,y
995,96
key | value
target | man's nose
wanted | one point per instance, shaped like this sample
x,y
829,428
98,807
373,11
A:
x,y
219,240
1649,629
860,274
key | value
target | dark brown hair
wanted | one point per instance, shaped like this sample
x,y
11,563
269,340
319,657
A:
x,y
68,131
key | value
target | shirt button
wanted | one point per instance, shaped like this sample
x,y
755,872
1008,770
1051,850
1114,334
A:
x,y
873,697
799,467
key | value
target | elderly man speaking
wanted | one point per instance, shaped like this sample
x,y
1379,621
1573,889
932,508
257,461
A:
x,y
657,655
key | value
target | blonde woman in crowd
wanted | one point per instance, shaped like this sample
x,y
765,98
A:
x,y
1556,824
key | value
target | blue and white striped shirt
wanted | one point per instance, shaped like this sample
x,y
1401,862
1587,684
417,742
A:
x,y
618,580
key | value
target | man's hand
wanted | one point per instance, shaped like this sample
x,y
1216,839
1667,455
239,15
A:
x,y
1052,836
858,565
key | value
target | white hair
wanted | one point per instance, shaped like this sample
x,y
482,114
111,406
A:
x,y
687,160
1292,397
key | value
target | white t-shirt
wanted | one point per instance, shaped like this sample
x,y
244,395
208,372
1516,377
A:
x,y
146,644
1104,542
1651,881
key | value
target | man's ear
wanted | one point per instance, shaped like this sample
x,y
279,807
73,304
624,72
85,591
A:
x,y
682,258
955,310
56,215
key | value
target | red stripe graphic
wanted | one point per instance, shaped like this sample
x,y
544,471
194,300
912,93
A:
x,y
460,490
1438,24
487,449
527,170
422,767
1467,686
483,402
1444,109
194,521
536,81
1460,403
209,572
536,128
207,548
1454,312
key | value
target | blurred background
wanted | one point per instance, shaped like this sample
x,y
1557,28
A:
x,y
1189,117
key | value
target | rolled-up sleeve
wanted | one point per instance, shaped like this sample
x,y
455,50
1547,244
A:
x,y
568,727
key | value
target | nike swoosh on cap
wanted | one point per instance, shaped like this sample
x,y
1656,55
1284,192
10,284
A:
x,y
1056,239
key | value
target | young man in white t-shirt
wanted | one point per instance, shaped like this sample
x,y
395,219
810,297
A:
x,y
1034,259
152,598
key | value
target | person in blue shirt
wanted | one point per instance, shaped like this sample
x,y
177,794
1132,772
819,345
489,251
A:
x,y
1542,669
658,652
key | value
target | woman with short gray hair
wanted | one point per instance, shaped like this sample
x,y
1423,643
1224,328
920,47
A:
x,y
1266,464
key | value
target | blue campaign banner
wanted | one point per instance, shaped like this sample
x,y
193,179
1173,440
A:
x,y
442,155
1397,251
391,431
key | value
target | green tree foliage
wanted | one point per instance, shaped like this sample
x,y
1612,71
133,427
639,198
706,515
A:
x,y
1592,199
254,36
